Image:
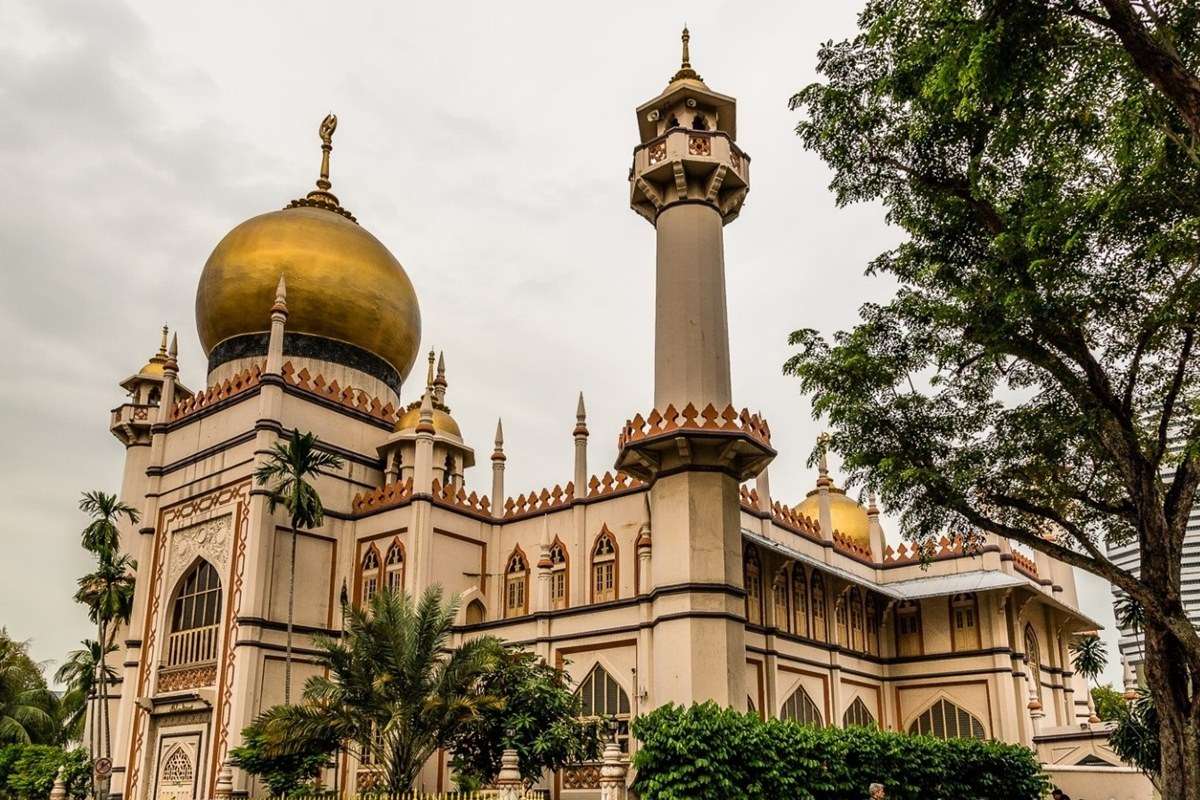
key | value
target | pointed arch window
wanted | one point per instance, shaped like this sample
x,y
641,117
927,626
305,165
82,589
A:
x,y
871,612
799,707
908,628
839,615
1033,657
945,720
779,594
820,631
602,697
516,585
604,567
752,574
476,613
178,772
195,616
558,575
858,715
857,634
370,575
964,621
799,601
393,568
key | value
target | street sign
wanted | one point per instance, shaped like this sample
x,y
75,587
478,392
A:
x,y
102,767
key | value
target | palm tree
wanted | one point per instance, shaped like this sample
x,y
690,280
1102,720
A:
x,y
287,468
108,594
25,702
101,534
395,691
1130,614
79,675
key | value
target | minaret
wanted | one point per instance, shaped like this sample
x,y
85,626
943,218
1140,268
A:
x,y
581,443
498,459
688,180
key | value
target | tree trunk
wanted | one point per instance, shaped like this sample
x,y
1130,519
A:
x,y
1178,709
287,664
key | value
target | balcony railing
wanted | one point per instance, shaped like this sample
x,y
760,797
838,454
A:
x,y
193,646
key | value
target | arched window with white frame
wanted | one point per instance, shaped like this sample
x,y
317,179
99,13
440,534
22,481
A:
x,y
603,698
516,585
393,568
604,567
558,575
369,576
195,616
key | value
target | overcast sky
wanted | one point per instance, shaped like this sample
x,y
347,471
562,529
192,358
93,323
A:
x,y
486,144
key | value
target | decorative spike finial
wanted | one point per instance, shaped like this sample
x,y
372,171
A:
x,y
172,362
823,459
425,421
162,347
581,428
429,373
872,508
498,453
280,305
321,197
685,63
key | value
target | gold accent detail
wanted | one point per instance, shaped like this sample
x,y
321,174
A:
x,y
685,65
154,367
847,517
442,421
321,197
342,284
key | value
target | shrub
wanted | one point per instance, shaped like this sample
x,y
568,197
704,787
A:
x,y
708,753
283,771
27,771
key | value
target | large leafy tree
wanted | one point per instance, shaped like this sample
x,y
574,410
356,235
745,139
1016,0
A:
x,y
286,472
395,691
538,716
1035,375
26,705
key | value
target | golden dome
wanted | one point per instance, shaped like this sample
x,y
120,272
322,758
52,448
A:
x,y
847,516
342,283
443,423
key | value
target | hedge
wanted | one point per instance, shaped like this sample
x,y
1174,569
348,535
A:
x,y
708,753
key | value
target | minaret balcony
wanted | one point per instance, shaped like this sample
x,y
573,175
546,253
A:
x,y
689,165
131,422
732,441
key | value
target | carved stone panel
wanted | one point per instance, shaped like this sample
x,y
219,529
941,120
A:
x,y
209,540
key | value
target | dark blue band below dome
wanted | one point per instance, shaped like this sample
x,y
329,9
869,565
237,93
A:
x,y
303,345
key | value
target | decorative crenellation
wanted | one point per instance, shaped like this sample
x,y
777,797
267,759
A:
x,y
347,396
540,502
386,496
788,518
749,497
710,419
236,384
613,483
175,680
850,547
1025,565
457,497
945,547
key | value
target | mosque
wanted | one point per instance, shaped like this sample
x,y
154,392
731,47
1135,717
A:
x,y
673,575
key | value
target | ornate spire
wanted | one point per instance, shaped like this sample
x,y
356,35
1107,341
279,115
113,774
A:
x,y
440,383
429,373
321,197
498,453
685,64
425,421
172,364
280,306
581,428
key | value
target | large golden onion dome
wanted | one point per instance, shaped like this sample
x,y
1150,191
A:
x,y
846,515
343,285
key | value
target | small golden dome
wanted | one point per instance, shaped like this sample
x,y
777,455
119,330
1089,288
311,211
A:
x,y
443,423
847,516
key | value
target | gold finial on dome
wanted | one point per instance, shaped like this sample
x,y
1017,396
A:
x,y
685,64
321,197
823,459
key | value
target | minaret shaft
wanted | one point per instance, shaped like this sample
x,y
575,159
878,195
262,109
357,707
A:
x,y
691,325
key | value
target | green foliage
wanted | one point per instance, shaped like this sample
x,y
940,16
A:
x,y
283,772
1089,655
708,753
27,708
537,713
79,673
1110,704
395,692
1136,737
287,469
101,534
27,772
